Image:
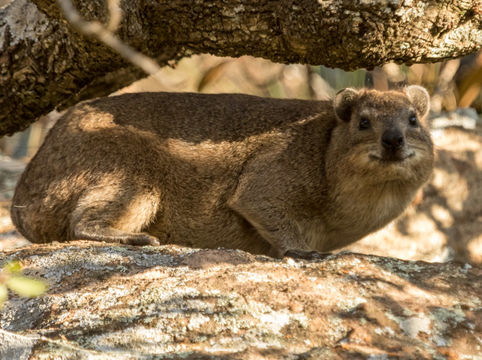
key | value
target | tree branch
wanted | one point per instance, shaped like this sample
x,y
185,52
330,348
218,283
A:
x,y
45,63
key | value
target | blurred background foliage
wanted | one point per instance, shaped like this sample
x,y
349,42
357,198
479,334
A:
x,y
453,83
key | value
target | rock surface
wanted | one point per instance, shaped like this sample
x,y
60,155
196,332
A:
x,y
120,302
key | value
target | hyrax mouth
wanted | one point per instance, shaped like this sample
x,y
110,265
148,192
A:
x,y
392,157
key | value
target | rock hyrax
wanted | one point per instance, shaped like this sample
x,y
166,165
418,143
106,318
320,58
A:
x,y
236,171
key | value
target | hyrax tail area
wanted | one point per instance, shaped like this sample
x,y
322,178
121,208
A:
x,y
109,211
90,180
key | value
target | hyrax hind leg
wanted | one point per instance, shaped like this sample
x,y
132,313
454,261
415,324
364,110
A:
x,y
115,214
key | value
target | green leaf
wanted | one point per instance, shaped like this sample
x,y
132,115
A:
x,y
13,267
26,287
3,294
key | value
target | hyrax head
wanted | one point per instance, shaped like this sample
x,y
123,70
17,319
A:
x,y
385,133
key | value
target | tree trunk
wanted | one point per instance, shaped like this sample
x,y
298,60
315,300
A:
x,y
44,63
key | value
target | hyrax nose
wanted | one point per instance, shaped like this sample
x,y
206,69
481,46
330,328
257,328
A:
x,y
392,139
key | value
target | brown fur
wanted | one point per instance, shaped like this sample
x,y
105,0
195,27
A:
x,y
235,171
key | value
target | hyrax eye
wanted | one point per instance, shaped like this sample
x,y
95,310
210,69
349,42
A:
x,y
412,120
364,123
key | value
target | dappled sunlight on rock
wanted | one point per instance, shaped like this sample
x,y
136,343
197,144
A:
x,y
168,301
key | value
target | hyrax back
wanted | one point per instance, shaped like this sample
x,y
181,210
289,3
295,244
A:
x,y
236,171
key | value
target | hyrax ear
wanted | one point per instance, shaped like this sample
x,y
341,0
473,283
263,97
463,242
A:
x,y
343,103
419,98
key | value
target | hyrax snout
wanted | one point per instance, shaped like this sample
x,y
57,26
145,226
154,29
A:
x,y
228,170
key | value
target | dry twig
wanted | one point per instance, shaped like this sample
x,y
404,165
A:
x,y
106,35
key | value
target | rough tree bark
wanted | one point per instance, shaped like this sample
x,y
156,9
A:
x,y
44,63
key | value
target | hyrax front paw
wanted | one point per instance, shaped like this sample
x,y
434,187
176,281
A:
x,y
306,255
